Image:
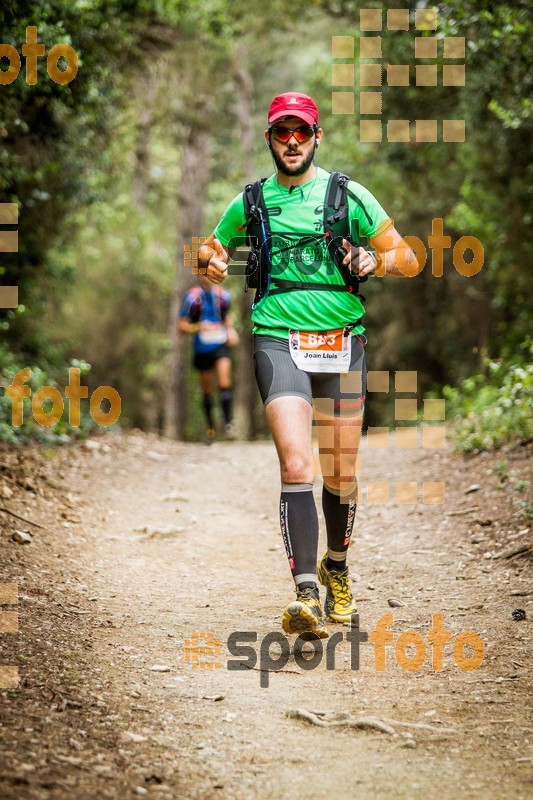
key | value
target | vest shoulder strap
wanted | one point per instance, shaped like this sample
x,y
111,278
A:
x,y
336,228
258,237
254,207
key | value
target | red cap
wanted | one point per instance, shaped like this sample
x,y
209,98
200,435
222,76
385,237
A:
x,y
293,104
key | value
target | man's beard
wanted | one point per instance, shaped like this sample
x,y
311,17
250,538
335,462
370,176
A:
x,y
290,172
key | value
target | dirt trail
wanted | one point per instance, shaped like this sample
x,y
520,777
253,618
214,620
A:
x,y
102,603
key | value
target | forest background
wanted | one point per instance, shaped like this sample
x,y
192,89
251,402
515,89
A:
x,y
115,172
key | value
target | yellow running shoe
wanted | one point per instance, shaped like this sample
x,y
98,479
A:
x,y
304,615
339,605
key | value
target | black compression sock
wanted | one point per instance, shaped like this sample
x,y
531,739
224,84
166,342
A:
x,y
339,513
208,409
226,401
308,585
338,565
299,527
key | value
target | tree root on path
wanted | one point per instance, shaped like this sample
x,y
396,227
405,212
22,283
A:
x,y
423,726
340,718
326,719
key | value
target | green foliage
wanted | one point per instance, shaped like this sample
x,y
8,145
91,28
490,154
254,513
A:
x,y
494,409
445,327
55,159
51,135
525,506
96,266
502,471
116,312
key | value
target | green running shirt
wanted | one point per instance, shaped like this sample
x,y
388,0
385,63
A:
x,y
293,216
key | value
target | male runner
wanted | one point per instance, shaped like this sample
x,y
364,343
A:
x,y
205,312
292,387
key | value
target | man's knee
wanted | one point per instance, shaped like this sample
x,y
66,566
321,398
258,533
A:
x,y
344,486
296,469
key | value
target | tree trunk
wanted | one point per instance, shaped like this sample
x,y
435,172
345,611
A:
x,y
195,174
246,390
142,158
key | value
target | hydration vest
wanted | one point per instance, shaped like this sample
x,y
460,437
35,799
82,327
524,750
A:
x,y
336,228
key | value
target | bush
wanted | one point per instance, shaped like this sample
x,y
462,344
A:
x,y
496,408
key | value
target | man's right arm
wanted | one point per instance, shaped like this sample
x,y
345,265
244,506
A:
x,y
213,257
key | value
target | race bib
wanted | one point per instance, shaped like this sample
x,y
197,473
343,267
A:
x,y
214,335
321,351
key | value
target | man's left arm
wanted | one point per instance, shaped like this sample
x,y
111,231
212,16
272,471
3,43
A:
x,y
393,256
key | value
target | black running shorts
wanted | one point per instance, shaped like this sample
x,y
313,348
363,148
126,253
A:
x,y
338,394
206,361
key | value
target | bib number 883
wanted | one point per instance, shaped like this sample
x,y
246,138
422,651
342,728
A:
x,y
321,339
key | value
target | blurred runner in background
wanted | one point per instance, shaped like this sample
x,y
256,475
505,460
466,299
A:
x,y
205,313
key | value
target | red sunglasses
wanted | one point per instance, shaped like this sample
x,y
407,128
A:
x,y
283,134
